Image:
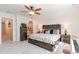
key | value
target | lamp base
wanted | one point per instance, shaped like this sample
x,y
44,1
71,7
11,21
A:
x,y
65,33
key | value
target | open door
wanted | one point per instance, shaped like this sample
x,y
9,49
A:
x,y
7,30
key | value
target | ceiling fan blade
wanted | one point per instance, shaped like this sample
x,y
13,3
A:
x,y
31,7
27,7
38,9
37,13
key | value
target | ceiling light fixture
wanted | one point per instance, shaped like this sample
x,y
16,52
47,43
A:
x,y
31,12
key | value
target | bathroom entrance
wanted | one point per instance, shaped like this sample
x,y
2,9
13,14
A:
x,y
7,30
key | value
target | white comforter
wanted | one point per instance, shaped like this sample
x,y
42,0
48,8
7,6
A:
x,y
48,38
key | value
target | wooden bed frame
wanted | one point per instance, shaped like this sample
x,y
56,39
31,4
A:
x,y
44,45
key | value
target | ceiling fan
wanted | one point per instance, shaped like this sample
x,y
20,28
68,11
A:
x,y
31,10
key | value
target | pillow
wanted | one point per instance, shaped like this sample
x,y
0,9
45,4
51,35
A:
x,y
51,31
47,32
55,31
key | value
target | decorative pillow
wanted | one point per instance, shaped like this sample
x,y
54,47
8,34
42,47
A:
x,y
51,31
47,32
44,31
55,31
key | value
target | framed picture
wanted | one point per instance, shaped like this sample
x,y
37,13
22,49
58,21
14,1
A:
x,y
30,26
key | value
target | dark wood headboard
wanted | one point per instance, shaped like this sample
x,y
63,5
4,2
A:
x,y
53,26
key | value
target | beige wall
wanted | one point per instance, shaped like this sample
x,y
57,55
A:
x,y
60,14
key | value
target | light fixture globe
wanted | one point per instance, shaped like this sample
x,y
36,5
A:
x,y
31,13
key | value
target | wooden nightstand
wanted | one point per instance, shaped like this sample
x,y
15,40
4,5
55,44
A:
x,y
65,38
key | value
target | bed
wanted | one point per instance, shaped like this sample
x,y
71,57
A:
x,y
47,40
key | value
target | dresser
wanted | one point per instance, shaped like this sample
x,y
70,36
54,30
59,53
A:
x,y
65,38
23,33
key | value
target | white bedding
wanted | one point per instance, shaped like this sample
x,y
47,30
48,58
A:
x,y
48,38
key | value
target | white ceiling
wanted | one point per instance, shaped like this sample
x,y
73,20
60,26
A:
x,y
12,8
47,9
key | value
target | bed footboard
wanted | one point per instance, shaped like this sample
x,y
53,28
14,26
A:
x,y
44,45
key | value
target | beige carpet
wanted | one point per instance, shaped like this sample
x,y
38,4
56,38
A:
x,y
23,47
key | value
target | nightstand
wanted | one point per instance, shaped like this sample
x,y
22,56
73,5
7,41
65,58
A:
x,y
65,38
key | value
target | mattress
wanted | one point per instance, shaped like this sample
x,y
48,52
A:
x,y
48,38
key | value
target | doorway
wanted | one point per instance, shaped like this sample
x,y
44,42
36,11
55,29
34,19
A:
x,y
7,30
